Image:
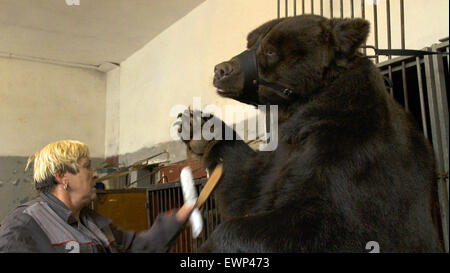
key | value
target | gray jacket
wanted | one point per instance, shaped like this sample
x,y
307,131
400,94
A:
x,y
47,225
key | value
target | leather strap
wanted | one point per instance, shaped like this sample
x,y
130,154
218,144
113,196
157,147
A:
x,y
249,67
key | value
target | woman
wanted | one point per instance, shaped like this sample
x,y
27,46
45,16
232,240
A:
x,y
60,219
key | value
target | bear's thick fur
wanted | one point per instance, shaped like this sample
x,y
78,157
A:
x,y
351,165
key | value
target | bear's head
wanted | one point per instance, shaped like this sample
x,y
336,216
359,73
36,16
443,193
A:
x,y
290,59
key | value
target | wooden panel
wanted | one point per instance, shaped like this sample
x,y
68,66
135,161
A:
x,y
173,171
127,210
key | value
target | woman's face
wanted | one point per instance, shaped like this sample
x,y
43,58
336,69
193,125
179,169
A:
x,y
81,186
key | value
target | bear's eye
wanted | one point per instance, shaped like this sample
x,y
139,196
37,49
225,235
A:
x,y
269,52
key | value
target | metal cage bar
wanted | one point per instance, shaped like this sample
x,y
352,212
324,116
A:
x,y
286,8
331,8
321,7
405,88
363,15
422,98
295,7
388,25
375,28
402,23
352,7
438,109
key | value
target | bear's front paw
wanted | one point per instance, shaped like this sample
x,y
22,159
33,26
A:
x,y
192,131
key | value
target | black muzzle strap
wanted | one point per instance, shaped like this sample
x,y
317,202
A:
x,y
283,90
249,68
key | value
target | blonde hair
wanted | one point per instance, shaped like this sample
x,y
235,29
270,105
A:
x,y
56,157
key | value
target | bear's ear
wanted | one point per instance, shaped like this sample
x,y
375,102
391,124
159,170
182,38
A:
x,y
349,34
262,30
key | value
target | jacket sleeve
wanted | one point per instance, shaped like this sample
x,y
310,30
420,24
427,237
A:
x,y
160,238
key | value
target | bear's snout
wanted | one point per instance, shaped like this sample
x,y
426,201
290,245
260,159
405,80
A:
x,y
228,78
222,70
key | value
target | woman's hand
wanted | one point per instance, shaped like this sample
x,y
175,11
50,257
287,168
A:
x,y
184,212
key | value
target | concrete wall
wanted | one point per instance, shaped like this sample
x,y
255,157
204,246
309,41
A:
x,y
41,103
177,66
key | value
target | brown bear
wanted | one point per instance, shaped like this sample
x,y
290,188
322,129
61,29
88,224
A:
x,y
351,169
